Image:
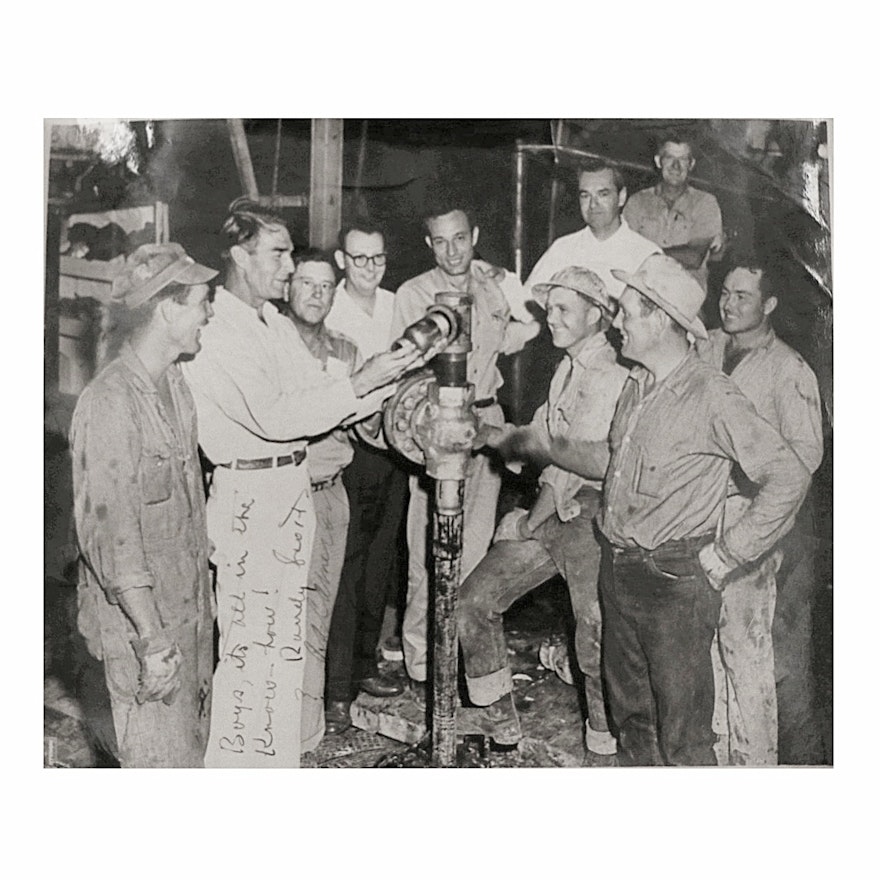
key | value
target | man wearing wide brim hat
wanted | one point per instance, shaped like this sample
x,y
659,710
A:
x,y
679,427
556,536
145,605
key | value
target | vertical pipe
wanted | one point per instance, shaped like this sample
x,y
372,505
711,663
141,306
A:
x,y
519,187
449,495
515,363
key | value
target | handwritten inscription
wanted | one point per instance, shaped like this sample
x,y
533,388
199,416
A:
x,y
258,684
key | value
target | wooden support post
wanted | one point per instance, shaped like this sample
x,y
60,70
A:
x,y
242,154
52,302
325,198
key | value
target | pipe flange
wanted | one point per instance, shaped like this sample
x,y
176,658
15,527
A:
x,y
400,414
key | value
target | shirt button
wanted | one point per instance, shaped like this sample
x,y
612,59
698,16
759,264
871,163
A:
x,y
616,474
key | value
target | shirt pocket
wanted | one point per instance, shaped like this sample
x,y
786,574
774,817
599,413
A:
x,y
160,509
156,476
651,479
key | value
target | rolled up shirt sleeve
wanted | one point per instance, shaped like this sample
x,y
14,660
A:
x,y
248,395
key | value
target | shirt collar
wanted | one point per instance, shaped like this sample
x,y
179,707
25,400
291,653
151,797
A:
x,y
593,346
226,303
128,357
623,226
676,381
765,342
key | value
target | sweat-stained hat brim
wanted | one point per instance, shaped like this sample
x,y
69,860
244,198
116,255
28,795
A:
x,y
639,281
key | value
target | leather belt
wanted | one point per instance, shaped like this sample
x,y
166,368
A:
x,y
256,464
483,402
684,545
325,484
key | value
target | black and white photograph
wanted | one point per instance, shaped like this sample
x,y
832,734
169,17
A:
x,y
449,443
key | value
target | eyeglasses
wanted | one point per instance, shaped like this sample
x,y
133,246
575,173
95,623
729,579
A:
x,y
361,260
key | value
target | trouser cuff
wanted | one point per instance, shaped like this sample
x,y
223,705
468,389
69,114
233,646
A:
x,y
602,742
486,689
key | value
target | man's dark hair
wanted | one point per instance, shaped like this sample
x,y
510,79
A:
x,y
441,203
244,223
591,166
367,227
314,255
768,282
673,137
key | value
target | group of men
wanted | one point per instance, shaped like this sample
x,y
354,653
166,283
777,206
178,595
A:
x,y
671,471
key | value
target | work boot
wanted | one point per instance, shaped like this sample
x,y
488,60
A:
x,y
379,685
499,721
594,759
337,717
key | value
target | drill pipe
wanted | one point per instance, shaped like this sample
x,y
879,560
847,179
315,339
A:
x,y
448,522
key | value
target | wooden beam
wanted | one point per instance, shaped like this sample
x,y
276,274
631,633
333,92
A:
x,y
284,201
325,198
242,155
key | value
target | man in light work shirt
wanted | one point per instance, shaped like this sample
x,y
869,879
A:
x,y
500,324
259,399
606,242
679,427
376,487
684,221
556,536
785,392
145,603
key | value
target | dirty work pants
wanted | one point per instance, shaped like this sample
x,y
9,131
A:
x,y
376,488
153,734
659,615
800,740
480,501
510,570
325,567
742,656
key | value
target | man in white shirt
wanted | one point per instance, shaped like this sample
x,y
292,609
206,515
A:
x,y
500,324
606,242
377,490
259,399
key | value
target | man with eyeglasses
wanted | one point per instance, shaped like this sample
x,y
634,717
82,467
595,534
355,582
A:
x,y
500,324
684,221
606,242
376,487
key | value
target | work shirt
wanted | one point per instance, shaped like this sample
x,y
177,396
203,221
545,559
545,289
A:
x,y
625,250
371,333
672,449
251,395
693,215
500,321
782,387
139,503
580,405
336,356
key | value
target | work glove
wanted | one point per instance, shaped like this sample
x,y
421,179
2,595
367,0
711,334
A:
x,y
160,670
